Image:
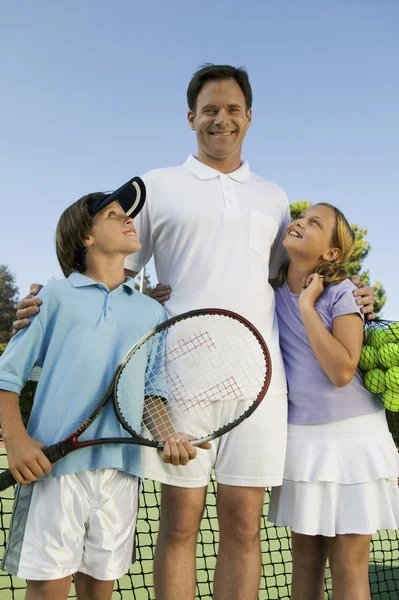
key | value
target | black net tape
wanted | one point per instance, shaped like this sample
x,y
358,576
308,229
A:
x,y
276,555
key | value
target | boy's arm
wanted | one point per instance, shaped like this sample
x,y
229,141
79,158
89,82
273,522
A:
x,y
25,457
178,449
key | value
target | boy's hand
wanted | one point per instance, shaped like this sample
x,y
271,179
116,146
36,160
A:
x,y
179,451
364,297
27,307
25,458
312,287
160,293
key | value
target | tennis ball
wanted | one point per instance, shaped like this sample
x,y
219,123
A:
x,y
374,380
378,337
391,400
392,379
388,355
394,331
368,358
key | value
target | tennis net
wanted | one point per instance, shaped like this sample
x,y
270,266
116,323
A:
x,y
276,551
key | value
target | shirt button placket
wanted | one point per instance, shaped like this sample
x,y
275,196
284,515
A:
x,y
229,196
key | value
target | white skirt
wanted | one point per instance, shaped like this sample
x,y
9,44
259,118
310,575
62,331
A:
x,y
339,477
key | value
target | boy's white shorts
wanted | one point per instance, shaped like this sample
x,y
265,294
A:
x,y
80,522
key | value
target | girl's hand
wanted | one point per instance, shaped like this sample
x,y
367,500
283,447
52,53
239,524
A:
x,y
312,287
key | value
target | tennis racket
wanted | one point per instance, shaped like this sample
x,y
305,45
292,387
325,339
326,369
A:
x,y
195,376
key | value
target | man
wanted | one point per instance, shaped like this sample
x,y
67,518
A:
x,y
215,231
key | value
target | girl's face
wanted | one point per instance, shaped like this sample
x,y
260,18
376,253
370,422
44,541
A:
x,y
309,237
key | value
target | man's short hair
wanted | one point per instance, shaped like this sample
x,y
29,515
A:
x,y
210,72
73,226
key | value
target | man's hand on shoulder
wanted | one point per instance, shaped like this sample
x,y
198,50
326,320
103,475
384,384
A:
x,y
160,293
27,307
364,297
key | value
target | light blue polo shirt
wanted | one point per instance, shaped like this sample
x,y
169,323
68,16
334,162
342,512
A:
x,y
79,337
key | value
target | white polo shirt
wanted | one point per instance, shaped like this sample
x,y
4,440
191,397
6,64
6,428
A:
x,y
216,240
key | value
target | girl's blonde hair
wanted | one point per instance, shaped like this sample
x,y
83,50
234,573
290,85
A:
x,y
342,238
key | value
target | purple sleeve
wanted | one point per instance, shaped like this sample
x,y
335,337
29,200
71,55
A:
x,y
343,301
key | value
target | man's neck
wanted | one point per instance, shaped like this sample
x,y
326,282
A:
x,y
109,271
225,165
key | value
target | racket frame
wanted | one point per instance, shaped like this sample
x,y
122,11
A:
x,y
71,443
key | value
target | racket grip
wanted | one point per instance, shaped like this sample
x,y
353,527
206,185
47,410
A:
x,y
6,480
53,453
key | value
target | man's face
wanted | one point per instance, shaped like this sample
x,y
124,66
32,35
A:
x,y
221,119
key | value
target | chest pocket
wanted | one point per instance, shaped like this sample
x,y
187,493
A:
x,y
262,233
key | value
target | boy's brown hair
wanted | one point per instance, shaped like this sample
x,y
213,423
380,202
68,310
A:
x,y
72,228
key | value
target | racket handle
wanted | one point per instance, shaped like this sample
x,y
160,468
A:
x,y
6,480
53,453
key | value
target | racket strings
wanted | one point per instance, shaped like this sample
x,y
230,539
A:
x,y
202,374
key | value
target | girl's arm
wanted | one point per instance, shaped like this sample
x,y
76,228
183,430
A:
x,y
337,353
25,458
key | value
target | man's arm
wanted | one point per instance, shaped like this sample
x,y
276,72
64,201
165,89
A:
x,y
143,225
129,273
27,307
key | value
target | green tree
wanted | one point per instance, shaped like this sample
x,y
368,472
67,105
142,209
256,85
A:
x,y
8,302
360,253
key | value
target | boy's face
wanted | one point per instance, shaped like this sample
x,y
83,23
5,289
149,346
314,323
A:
x,y
112,232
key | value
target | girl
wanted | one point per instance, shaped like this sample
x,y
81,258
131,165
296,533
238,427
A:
x,y
340,479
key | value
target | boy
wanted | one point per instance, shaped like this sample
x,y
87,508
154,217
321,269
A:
x,y
81,518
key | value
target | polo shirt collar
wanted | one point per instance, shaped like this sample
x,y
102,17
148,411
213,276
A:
x,y
202,171
79,280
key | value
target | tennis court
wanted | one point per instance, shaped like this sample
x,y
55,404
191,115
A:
x,y
384,556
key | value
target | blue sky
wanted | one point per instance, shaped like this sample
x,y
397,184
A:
x,y
93,92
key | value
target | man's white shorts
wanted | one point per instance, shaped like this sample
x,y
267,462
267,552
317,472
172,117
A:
x,y
81,522
251,455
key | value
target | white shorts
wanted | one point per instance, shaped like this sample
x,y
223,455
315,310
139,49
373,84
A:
x,y
251,455
80,522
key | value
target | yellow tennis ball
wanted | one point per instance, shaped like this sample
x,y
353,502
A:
x,y
374,381
378,337
388,355
391,400
392,379
394,331
368,358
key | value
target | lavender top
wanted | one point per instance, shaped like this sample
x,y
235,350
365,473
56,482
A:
x,y
312,397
